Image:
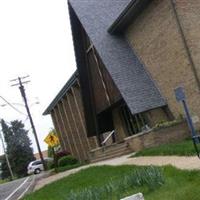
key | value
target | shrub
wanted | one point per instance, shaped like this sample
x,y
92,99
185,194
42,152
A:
x,y
61,154
67,160
50,165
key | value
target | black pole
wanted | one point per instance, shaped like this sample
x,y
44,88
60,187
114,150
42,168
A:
x,y
195,138
22,90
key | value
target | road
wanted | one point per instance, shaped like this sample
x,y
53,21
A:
x,y
14,190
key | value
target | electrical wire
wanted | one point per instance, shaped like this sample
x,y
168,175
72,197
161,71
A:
x,y
13,107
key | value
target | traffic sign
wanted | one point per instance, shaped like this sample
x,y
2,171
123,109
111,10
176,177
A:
x,y
180,94
52,140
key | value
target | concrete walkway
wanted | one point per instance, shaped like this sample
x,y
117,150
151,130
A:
x,y
181,162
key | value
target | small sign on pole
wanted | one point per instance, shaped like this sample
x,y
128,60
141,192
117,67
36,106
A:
x,y
180,97
180,94
52,140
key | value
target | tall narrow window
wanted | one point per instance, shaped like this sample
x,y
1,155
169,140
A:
x,y
134,123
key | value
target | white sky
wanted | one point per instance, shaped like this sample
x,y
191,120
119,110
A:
x,y
35,40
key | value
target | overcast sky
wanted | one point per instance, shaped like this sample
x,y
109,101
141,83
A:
x,y
35,40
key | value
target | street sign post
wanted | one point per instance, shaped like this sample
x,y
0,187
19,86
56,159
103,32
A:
x,y
52,140
180,97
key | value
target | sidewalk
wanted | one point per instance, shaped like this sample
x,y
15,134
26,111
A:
x,y
181,162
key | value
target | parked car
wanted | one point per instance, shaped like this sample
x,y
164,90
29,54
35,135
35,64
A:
x,y
35,167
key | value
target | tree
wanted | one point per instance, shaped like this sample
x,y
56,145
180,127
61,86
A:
x,y
4,168
18,146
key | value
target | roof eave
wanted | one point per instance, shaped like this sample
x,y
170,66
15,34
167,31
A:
x,y
134,8
62,92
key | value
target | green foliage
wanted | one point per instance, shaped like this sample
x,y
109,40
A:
x,y
50,152
3,181
50,165
165,124
151,177
67,160
179,184
50,149
18,148
4,168
68,167
184,148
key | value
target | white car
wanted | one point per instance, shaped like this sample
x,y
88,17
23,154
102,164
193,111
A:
x,y
35,167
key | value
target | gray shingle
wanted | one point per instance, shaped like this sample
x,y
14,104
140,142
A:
x,y
128,73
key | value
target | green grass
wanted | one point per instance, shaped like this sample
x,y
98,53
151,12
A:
x,y
179,184
67,167
184,148
3,181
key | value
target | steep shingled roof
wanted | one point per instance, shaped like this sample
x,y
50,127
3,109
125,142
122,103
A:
x,y
128,73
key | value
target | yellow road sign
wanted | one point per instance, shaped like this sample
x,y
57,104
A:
x,y
52,140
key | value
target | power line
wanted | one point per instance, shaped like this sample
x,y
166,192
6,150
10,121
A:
x,y
13,107
23,93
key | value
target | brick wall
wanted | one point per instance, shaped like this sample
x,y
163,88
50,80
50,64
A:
x,y
189,15
155,138
156,116
157,41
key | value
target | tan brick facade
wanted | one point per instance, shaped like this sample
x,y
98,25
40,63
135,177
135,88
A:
x,y
155,116
156,39
69,122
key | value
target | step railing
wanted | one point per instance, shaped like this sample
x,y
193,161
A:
x,y
107,138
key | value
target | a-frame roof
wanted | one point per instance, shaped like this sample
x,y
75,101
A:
x,y
129,74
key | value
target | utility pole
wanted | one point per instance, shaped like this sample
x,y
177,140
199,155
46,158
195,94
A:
x,y
6,156
22,90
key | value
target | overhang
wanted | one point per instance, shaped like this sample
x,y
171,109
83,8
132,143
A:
x,y
62,93
129,74
128,15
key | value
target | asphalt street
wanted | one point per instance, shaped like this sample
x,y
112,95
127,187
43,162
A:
x,y
14,190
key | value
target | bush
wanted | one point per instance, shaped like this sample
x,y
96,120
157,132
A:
x,y
61,154
67,160
50,165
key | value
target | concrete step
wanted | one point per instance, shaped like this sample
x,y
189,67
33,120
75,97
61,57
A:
x,y
114,155
110,149
111,152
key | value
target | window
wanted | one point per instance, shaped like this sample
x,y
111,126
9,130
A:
x,y
37,163
134,123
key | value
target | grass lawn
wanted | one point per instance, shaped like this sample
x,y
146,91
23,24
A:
x,y
3,181
68,167
184,148
179,184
